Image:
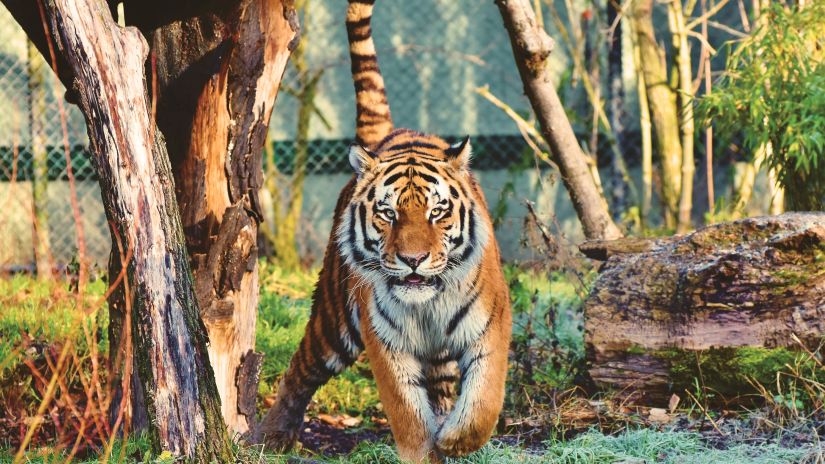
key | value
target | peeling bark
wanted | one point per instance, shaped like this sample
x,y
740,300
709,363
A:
x,y
751,283
218,68
130,157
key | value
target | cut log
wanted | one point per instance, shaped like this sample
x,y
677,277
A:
x,y
757,282
129,154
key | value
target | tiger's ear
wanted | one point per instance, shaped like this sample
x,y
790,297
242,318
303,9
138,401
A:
x,y
459,154
361,159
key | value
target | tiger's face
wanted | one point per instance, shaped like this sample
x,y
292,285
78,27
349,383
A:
x,y
412,227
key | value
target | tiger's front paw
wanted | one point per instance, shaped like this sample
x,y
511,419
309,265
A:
x,y
457,441
281,440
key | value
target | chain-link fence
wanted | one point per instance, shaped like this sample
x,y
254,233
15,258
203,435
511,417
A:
x,y
434,54
38,133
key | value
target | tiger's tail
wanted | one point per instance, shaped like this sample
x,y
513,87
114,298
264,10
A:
x,y
373,120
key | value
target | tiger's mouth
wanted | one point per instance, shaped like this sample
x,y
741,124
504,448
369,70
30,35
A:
x,y
415,280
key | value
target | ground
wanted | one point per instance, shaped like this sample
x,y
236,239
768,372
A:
x,y
552,414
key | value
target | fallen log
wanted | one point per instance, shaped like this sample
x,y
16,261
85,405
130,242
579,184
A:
x,y
754,283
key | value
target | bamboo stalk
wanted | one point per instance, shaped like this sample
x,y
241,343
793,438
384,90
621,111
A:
x,y
646,131
709,128
685,114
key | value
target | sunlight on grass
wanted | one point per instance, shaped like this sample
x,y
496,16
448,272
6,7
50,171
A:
x,y
46,311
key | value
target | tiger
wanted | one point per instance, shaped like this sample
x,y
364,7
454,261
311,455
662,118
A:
x,y
412,276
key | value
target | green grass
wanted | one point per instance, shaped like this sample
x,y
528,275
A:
x,y
634,446
44,311
135,446
548,356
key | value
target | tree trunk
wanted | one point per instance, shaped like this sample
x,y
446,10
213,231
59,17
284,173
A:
x,y
681,52
751,283
645,129
663,110
287,191
616,110
531,49
136,186
218,67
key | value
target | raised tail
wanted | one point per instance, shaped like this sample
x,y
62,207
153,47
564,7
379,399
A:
x,y
373,121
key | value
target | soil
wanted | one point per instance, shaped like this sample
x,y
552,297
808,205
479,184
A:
x,y
321,438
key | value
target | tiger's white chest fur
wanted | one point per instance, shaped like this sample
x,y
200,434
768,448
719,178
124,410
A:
x,y
445,325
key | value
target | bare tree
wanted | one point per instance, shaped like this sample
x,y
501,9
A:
x,y
214,75
106,66
531,49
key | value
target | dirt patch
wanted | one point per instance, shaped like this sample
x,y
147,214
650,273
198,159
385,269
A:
x,y
321,438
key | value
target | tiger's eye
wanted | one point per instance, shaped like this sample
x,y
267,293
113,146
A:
x,y
436,212
389,214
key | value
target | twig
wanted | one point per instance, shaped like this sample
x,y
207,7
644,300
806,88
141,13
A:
x,y
706,15
37,420
728,29
528,128
78,219
705,412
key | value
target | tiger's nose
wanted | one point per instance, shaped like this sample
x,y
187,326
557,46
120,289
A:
x,y
413,260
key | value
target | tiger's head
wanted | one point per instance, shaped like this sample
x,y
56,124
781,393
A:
x,y
415,222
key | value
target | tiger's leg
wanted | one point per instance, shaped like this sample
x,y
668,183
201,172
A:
x,y
442,375
481,394
326,349
401,387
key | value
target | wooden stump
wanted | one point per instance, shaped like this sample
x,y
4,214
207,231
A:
x,y
218,67
752,283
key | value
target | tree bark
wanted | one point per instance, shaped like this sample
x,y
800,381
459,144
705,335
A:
x,y
663,111
218,67
531,49
751,283
287,191
130,157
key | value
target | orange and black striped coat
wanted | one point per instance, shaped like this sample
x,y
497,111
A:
x,y
412,276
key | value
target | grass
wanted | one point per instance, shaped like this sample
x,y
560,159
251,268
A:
x,y
46,311
633,446
593,447
546,365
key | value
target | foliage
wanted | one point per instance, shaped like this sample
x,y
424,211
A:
x,y
773,95
548,337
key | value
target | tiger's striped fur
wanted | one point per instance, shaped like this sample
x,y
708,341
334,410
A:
x,y
373,120
412,276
